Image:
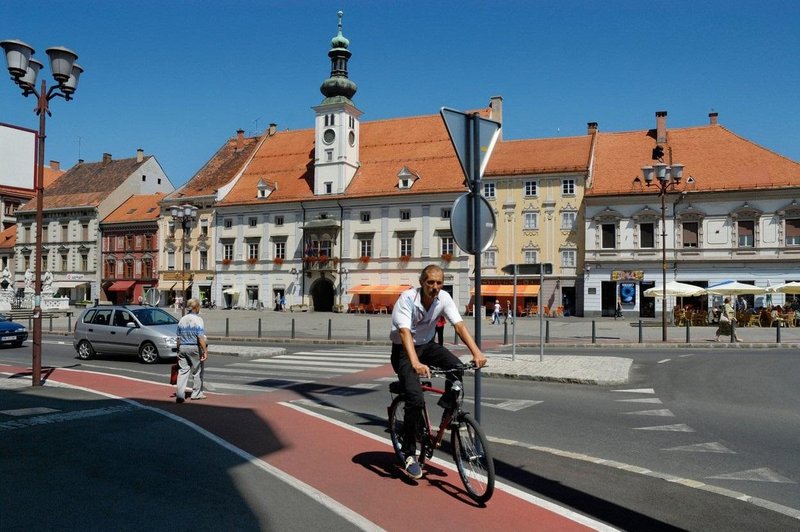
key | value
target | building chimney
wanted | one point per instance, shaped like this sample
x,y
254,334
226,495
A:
x,y
273,128
80,161
139,155
496,112
661,127
239,139
106,158
591,128
712,118
55,165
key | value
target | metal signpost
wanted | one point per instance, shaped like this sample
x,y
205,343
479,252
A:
x,y
473,138
541,268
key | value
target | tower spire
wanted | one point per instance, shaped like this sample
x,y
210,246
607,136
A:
x,y
338,88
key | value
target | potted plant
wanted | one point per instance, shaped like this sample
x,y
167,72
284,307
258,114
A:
x,y
251,261
364,259
447,257
278,261
226,262
405,258
309,259
322,259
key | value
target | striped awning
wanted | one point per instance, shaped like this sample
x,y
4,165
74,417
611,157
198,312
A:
x,y
507,290
379,289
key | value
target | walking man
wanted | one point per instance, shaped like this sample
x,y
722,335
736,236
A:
x,y
192,352
496,313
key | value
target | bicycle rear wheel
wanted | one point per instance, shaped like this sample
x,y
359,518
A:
x,y
396,432
473,459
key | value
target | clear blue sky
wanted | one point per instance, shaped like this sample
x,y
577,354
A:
x,y
177,78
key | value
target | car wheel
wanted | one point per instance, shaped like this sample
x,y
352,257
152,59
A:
x,y
148,353
85,350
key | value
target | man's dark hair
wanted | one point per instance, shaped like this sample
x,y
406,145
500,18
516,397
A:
x,y
427,270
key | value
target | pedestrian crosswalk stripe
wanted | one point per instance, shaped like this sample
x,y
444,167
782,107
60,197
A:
x,y
311,363
636,390
338,355
316,360
300,367
255,373
710,447
654,400
669,428
664,413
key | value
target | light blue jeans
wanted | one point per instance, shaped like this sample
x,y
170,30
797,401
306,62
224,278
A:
x,y
189,363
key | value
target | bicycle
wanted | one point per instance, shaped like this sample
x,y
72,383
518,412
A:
x,y
468,444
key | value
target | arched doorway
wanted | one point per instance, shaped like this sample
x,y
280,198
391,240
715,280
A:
x,y
322,294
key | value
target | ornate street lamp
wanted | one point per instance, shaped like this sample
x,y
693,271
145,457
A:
x,y
24,69
185,214
668,178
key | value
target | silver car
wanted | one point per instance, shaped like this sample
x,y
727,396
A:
x,y
149,332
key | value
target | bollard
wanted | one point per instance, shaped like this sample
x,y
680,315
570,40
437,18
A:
x,y
30,324
227,327
594,333
292,328
733,330
778,332
369,333
505,332
547,332
259,327
641,332
69,322
688,333
329,328
51,326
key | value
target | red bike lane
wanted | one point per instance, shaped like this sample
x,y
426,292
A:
x,y
356,469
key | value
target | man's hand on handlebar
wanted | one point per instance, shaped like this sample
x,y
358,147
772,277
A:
x,y
479,360
422,370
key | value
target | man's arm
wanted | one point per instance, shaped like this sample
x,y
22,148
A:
x,y
411,352
466,337
201,345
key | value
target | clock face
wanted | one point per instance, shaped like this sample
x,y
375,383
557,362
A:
x,y
328,136
352,138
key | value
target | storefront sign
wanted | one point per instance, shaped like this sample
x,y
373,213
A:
x,y
627,275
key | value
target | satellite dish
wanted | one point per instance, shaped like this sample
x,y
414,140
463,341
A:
x,y
152,297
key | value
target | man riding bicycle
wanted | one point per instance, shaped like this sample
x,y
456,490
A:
x,y
413,326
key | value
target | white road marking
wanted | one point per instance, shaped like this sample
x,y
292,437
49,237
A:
x,y
710,447
663,413
763,474
637,390
653,400
514,405
669,428
663,361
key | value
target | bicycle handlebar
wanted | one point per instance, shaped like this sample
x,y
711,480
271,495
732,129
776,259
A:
x,y
461,367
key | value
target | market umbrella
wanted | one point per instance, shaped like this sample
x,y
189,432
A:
x,y
788,288
674,288
734,288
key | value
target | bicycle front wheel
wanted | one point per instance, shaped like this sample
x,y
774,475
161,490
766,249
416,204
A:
x,y
397,431
473,459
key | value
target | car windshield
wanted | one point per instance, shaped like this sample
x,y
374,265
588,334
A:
x,y
154,316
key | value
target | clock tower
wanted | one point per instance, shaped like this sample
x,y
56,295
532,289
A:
x,y
337,129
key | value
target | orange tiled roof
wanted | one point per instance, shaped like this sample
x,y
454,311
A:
x,y
8,237
137,208
219,170
715,157
535,156
286,160
50,175
86,184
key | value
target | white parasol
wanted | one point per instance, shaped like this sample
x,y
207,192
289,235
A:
x,y
676,289
734,288
788,288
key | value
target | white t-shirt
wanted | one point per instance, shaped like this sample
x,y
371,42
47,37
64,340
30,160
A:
x,y
408,313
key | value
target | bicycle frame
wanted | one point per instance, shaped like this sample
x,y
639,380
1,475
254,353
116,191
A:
x,y
447,417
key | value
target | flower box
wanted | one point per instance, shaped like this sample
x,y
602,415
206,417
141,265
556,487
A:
x,y
226,262
278,261
447,257
251,261
322,259
405,258
364,259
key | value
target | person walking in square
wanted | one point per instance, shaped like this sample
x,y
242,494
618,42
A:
x,y
192,352
496,313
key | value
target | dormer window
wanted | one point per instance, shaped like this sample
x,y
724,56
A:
x,y
406,178
264,189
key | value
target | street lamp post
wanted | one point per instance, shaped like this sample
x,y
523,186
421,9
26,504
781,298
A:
x,y
668,178
24,70
185,214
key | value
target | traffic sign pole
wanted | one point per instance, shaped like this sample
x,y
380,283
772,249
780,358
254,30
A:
x,y
476,228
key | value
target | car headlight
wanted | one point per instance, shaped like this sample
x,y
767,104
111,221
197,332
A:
x,y
22,329
170,340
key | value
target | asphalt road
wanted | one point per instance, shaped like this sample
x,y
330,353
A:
x,y
732,416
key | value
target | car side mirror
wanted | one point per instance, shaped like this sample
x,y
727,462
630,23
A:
x,y
131,325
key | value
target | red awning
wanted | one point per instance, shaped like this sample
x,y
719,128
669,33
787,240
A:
x,y
507,290
121,286
379,289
